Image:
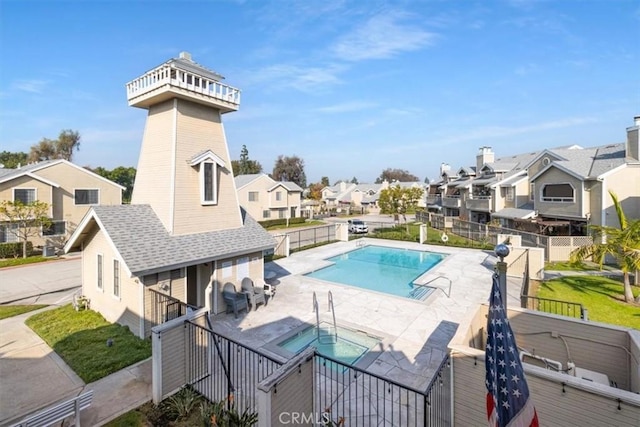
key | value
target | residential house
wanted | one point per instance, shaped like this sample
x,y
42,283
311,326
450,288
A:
x,y
344,195
68,189
184,235
554,191
265,198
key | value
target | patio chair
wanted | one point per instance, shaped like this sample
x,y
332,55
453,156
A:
x,y
255,294
235,301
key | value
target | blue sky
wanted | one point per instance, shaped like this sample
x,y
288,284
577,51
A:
x,y
351,87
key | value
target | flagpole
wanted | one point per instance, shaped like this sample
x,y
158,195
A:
x,y
502,251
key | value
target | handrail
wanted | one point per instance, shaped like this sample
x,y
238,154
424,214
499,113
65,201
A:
x,y
433,280
333,312
317,311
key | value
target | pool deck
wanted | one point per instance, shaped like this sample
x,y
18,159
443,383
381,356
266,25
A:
x,y
416,333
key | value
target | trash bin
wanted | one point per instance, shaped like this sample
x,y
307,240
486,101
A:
x,y
48,251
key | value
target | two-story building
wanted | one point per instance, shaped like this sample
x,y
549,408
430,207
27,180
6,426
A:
x,y
343,194
265,198
68,189
184,235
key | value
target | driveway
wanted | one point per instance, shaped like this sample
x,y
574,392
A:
x,y
29,280
33,375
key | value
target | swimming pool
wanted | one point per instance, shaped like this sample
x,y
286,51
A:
x,y
348,347
382,269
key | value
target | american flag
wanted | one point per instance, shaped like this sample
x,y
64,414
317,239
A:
x,y
508,401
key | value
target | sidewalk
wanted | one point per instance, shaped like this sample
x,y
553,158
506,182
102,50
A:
x,y
33,377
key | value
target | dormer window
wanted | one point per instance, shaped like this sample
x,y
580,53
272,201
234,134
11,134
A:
x,y
208,163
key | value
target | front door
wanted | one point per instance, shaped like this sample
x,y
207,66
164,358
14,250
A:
x,y
192,285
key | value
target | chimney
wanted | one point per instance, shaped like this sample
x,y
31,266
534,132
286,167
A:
x,y
632,149
444,167
485,155
185,55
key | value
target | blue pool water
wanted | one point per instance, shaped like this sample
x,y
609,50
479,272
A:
x,y
381,269
349,347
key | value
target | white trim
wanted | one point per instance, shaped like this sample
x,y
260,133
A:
x,y
142,314
233,181
86,189
203,183
11,177
555,165
545,152
100,271
172,186
35,193
558,201
207,156
612,171
58,161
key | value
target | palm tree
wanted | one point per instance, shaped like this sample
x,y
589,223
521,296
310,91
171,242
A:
x,y
621,243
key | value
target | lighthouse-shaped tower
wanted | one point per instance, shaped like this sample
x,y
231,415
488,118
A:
x,y
184,169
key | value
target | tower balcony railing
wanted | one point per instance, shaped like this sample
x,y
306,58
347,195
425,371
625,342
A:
x,y
168,75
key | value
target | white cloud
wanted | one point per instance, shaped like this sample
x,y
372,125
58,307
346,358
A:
x,y
302,78
346,107
32,86
382,36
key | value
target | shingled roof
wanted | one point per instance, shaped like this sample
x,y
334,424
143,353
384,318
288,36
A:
x,y
146,247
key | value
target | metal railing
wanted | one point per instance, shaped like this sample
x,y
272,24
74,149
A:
x,y
218,366
165,307
365,399
563,308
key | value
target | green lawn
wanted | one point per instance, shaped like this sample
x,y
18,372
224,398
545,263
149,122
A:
x,y
310,223
14,310
12,262
80,338
434,236
601,296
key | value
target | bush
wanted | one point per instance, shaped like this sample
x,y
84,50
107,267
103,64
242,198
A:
x,y
281,221
14,250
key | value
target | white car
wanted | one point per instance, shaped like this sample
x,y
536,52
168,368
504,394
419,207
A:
x,y
357,226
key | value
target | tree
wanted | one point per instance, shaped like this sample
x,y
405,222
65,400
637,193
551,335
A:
x,y
62,148
12,160
245,166
622,243
399,175
324,181
315,191
396,200
354,180
25,220
124,176
290,169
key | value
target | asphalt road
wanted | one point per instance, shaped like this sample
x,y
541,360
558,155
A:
x,y
17,283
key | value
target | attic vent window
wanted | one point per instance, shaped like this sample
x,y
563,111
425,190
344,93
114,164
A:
x,y
546,161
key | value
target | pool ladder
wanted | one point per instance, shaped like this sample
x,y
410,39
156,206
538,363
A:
x,y
328,335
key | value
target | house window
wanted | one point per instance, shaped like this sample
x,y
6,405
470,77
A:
x,y
56,228
509,194
278,196
86,197
99,272
9,233
282,213
266,214
208,174
24,195
559,193
116,278
253,196
532,192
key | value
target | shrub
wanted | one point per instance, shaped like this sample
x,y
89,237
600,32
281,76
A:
x,y
181,404
281,221
14,250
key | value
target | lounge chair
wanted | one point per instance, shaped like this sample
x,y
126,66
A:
x,y
235,301
255,294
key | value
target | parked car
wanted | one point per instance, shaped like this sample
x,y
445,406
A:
x,y
357,226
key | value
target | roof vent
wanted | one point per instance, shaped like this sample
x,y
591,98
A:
x,y
185,55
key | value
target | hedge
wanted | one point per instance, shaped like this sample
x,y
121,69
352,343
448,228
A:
x,y
282,221
14,250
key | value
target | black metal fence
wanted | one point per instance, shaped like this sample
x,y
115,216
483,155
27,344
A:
x,y
563,308
219,367
364,399
164,307
299,239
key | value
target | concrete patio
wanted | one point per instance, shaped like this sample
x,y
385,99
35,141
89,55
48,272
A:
x,y
416,332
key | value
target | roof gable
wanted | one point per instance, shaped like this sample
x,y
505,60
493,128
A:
x,y
207,155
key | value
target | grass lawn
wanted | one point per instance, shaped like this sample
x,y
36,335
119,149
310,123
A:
x,y
581,266
434,236
12,262
14,310
80,338
310,223
601,296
